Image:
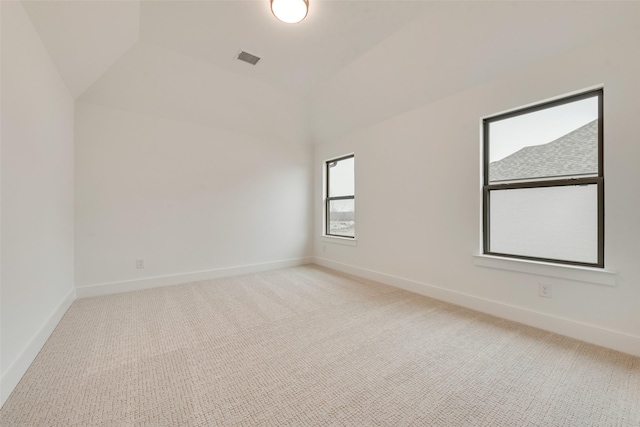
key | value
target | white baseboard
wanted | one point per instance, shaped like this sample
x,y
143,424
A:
x,y
12,377
155,282
593,334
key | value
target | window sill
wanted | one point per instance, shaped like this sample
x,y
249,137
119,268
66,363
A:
x,y
569,272
339,240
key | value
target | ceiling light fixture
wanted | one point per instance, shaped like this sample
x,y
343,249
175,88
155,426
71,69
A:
x,y
290,11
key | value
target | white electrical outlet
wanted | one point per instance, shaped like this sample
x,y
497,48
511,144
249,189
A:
x,y
544,290
140,263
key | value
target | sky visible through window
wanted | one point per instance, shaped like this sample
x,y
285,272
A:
x,y
342,178
510,135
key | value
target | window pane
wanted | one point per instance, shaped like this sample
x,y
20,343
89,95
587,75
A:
x,y
550,222
555,142
342,218
341,178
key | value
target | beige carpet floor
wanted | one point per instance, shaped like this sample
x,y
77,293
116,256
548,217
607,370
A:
x,y
308,346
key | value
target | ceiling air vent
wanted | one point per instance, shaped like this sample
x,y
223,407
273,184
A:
x,y
247,57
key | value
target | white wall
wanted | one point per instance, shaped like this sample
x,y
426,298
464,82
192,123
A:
x,y
191,90
184,197
418,194
455,46
37,195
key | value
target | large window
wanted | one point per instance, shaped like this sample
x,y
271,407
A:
x,y
543,190
340,197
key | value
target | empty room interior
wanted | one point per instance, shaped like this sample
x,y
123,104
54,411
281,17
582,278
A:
x,y
316,212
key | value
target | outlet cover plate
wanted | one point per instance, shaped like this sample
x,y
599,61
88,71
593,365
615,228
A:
x,y
544,290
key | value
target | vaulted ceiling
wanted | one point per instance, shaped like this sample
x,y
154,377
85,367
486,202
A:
x,y
347,65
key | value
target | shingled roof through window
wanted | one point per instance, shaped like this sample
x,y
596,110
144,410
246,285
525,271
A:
x,y
575,153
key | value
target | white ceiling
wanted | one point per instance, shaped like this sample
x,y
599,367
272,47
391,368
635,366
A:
x,y
455,46
85,38
347,65
297,57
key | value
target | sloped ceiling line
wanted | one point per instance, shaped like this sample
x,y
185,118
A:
x,y
85,38
349,65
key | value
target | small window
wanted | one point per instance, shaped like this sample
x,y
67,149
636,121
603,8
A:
x,y
340,197
543,189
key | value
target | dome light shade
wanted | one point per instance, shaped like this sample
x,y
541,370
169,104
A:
x,y
290,11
